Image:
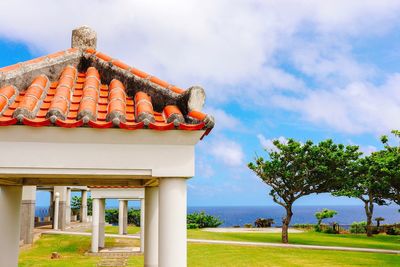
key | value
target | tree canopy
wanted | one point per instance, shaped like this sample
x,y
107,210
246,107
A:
x,y
298,169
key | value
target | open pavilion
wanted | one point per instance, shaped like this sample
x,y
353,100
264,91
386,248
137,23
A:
x,y
81,118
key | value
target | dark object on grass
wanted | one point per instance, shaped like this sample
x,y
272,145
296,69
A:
x,y
262,223
55,255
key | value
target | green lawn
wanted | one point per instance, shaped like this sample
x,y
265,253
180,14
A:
x,y
306,238
72,249
114,229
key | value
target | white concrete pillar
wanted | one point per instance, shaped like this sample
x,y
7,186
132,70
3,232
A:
x,y
172,246
95,225
62,192
121,217
125,218
68,207
10,205
56,210
151,227
102,208
142,226
84,207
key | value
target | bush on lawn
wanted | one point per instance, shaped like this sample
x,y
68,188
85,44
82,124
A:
x,y
392,231
358,227
192,226
133,216
307,226
203,220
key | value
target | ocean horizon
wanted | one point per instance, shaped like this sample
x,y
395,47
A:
x,y
240,215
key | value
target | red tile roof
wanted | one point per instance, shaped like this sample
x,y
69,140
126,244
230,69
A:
x,y
113,186
90,89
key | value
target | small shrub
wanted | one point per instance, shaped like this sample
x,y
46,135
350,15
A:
x,y
307,226
192,226
392,231
329,230
358,227
248,225
203,220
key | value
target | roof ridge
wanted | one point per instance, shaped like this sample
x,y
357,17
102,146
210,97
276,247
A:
x,y
122,65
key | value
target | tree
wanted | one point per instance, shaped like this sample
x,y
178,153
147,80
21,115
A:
x,y
294,170
368,181
324,214
76,204
378,221
392,170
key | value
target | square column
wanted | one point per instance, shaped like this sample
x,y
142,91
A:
x,y
123,217
28,214
68,206
142,226
51,206
95,225
102,208
10,210
172,246
62,192
151,227
84,207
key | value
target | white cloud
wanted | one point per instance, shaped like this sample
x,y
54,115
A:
x,y
268,143
358,107
236,50
223,120
226,151
204,168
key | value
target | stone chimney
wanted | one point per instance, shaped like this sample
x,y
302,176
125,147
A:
x,y
84,37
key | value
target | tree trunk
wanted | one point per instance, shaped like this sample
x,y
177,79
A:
x,y
285,224
369,210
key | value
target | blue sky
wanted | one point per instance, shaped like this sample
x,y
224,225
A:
x,y
271,69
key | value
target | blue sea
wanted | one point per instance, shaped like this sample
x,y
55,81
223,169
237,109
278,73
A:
x,y
241,215
232,216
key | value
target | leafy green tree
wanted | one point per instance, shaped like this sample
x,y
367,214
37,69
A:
x,y
76,203
324,214
112,216
368,182
392,170
294,170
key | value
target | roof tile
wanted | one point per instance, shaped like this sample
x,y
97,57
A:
x,y
77,99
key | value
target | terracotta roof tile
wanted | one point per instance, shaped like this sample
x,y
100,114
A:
x,y
84,99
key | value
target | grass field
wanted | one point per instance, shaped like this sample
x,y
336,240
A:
x,y
306,238
72,249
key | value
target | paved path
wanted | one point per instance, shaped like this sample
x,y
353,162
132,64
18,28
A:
x,y
280,245
240,243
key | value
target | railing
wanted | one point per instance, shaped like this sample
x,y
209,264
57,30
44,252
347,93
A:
x,y
42,216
